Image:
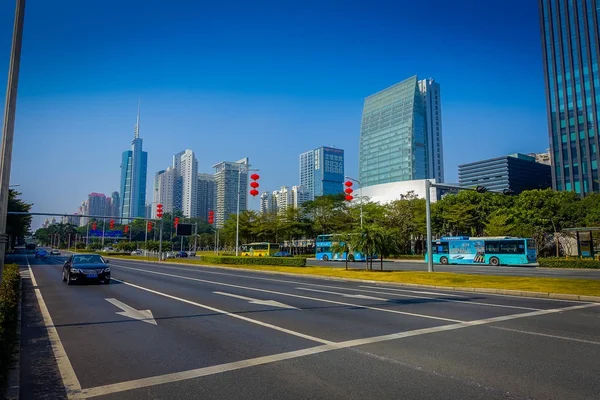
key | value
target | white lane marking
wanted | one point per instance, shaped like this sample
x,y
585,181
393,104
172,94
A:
x,y
272,303
295,295
140,315
202,269
67,373
355,296
229,314
232,366
546,335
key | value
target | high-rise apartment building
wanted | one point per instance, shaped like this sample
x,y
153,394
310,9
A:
x,y
134,168
164,190
231,178
267,203
571,49
116,202
299,196
322,171
97,204
207,194
186,165
394,137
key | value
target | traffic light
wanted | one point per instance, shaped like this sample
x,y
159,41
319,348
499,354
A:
x,y
126,229
348,191
211,217
149,225
254,184
111,224
159,210
481,189
94,226
176,221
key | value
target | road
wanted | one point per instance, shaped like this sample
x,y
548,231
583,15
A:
x,y
179,332
469,269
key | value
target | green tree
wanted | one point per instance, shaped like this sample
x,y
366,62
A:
x,y
17,226
384,244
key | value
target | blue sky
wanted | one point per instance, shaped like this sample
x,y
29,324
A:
x,y
263,79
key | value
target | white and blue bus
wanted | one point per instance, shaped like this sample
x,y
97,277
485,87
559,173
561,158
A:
x,y
324,244
504,250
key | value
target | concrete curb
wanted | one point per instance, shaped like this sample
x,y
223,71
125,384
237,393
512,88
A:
x,y
13,382
506,292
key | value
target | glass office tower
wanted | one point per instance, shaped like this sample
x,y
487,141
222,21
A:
x,y
571,48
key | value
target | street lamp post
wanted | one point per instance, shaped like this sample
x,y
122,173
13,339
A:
x,y
246,169
8,130
359,195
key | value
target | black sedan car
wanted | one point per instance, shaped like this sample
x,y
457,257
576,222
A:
x,y
85,268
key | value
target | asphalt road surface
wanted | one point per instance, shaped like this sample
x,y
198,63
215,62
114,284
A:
x,y
177,332
521,270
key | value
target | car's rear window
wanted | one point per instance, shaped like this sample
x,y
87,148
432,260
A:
x,y
88,259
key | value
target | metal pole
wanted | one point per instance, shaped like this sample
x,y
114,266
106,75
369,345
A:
x,y
146,240
237,225
87,235
160,235
103,230
196,236
428,222
218,238
181,246
8,130
361,204
69,243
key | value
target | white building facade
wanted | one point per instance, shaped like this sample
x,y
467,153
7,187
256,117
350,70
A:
x,y
186,165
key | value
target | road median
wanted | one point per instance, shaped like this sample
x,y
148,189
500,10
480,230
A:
x,y
542,287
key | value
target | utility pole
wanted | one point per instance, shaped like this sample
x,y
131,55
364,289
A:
x,y
160,235
8,130
103,230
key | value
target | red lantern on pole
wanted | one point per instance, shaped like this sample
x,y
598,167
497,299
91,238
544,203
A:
x,y
348,191
211,217
126,229
94,226
349,197
348,183
149,225
111,225
254,184
159,210
176,221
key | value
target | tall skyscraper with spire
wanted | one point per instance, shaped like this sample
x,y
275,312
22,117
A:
x,y
134,168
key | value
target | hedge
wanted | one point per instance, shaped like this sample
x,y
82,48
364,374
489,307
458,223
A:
x,y
408,257
568,263
277,261
9,299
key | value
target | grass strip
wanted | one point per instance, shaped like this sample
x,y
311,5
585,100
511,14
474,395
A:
x,y
9,300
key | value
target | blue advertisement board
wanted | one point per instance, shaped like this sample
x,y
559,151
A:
x,y
108,234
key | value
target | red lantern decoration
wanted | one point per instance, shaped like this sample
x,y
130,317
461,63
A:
x,y
149,225
348,183
349,190
349,197
254,192
94,226
159,210
176,221
111,225
126,228
255,177
211,217
254,185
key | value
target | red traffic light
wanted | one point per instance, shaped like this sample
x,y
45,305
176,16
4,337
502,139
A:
x,y
254,192
349,197
349,190
348,183
254,185
255,177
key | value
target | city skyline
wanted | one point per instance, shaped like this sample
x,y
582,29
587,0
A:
x,y
89,100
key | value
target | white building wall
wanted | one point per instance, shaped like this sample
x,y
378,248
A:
x,y
186,164
307,172
164,190
388,192
299,196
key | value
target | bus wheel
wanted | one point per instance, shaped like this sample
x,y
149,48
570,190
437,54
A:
x,y
494,261
325,258
444,260
351,257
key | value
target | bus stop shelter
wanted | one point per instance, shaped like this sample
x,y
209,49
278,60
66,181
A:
x,y
585,240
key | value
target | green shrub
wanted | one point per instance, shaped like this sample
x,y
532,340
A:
x,y
305,256
9,299
568,263
278,261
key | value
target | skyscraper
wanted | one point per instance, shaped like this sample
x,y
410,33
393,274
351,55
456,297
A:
x,y
322,171
299,196
186,165
116,202
571,49
394,133
267,203
207,194
230,178
134,168
164,190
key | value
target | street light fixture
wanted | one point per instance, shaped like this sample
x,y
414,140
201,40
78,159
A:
x,y
359,195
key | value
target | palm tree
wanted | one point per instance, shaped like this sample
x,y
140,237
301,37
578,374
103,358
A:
x,y
365,243
344,245
385,244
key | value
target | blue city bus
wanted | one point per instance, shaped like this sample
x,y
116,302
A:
x,y
494,251
323,246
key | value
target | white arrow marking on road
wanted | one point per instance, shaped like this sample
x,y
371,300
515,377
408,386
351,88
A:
x,y
141,315
272,303
354,296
